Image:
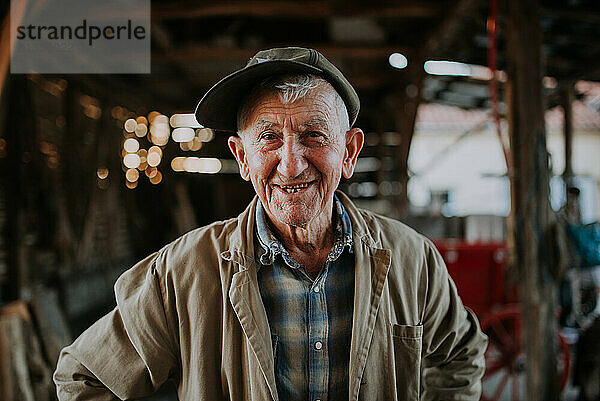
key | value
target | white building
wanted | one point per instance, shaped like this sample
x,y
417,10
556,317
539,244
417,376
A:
x,y
458,151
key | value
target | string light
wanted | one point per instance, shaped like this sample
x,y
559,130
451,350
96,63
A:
x,y
183,134
131,145
132,175
157,178
398,60
177,164
447,68
102,173
131,160
151,172
154,156
202,165
141,130
205,134
184,120
130,125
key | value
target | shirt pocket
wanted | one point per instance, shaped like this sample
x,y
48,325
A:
x,y
407,344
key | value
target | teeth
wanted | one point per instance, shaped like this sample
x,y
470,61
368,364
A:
x,y
290,189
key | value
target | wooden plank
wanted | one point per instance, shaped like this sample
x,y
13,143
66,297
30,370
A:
x,y
530,211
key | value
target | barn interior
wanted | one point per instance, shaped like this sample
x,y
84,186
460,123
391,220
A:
x,y
99,170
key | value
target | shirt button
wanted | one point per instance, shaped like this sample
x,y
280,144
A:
x,y
316,289
318,345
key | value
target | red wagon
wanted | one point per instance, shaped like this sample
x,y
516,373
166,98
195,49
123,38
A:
x,y
479,272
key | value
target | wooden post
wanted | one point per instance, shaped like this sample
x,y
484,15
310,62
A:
x,y
566,99
572,206
530,198
408,100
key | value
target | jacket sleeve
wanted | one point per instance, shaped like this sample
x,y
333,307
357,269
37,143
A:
x,y
128,353
453,344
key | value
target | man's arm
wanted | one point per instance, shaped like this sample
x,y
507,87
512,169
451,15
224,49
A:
x,y
127,353
453,344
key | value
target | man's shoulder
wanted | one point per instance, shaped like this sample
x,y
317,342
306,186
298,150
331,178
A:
x,y
391,232
202,241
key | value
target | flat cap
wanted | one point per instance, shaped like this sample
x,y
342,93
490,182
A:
x,y
219,106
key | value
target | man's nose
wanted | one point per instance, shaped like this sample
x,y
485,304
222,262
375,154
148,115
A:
x,y
292,161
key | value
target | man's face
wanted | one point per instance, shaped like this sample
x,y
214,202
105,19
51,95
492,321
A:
x,y
295,154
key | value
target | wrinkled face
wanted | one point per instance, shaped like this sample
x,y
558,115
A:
x,y
295,154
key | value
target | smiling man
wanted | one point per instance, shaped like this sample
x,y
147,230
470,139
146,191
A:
x,y
301,297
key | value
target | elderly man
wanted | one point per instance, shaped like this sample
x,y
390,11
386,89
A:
x,y
303,296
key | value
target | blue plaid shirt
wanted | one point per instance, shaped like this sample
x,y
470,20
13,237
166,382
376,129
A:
x,y
310,320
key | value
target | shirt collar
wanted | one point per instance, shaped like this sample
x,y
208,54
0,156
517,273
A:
x,y
272,247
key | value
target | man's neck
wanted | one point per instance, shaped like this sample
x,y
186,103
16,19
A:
x,y
310,244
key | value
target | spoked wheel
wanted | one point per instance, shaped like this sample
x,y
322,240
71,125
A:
x,y
504,377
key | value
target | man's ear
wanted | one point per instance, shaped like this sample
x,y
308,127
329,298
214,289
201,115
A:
x,y
237,148
354,143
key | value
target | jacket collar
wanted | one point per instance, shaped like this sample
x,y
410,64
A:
x,y
271,247
241,240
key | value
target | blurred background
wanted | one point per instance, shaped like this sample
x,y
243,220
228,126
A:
x,y
99,170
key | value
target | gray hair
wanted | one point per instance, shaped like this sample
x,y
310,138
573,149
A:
x,y
289,89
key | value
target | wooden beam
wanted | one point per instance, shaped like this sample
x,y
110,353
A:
x,y
242,55
449,28
360,81
571,14
530,209
293,9
237,58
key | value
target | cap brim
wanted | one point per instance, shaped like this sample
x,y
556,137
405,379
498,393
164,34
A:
x,y
218,108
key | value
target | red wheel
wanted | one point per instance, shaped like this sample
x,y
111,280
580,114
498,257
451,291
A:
x,y
504,377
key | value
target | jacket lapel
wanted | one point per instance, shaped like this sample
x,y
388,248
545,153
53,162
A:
x,y
372,267
245,297
248,306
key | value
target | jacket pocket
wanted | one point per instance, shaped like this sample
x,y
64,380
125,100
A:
x,y
407,343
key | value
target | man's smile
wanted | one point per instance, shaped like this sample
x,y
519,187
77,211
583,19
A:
x,y
294,188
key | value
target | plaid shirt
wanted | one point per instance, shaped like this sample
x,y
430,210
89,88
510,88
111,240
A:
x,y
310,320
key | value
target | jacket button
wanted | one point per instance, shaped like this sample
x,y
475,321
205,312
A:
x,y
318,345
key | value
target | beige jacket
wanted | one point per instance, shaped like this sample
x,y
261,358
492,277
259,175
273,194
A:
x,y
193,312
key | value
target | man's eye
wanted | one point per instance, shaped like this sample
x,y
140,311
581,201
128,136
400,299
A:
x,y
268,136
314,134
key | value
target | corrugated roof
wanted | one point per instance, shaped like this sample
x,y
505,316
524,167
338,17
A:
x,y
586,114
